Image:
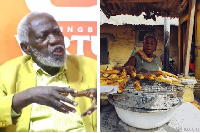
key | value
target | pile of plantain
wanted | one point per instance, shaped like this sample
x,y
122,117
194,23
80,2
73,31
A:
x,y
118,76
114,77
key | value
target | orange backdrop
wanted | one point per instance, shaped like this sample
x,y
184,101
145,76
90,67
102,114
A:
x,y
80,36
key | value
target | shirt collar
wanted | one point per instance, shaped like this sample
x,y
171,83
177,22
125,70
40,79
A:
x,y
39,70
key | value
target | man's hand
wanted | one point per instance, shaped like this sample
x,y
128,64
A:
x,y
90,93
45,95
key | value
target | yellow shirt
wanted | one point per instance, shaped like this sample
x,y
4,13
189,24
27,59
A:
x,y
18,75
46,119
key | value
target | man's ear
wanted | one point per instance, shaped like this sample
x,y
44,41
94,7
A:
x,y
25,47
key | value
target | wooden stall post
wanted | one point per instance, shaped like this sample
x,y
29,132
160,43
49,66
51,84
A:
x,y
197,50
190,25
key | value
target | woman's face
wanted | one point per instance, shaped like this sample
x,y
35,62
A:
x,y
149,45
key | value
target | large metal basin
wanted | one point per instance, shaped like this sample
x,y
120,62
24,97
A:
x,y
150,108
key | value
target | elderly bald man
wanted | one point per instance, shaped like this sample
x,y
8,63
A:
x,y
47,90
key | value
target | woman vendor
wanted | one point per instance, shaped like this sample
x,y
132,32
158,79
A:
x,y
145,60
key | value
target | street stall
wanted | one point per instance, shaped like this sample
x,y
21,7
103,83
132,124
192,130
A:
x,y
146,100
152,100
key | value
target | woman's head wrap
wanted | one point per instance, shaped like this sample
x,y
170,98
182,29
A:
x,y
151,34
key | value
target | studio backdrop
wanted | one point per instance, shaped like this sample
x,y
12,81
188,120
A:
x,y
76,18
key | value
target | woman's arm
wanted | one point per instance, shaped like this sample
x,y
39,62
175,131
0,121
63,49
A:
x,y
131,61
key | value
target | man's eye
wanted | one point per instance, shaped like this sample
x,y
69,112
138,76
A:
x,y
42,36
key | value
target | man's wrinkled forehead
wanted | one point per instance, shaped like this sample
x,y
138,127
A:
x,y
43,21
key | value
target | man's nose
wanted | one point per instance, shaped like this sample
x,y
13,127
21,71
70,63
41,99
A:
x,y
53,39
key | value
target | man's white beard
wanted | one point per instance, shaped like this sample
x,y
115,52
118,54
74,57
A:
x,y
49,59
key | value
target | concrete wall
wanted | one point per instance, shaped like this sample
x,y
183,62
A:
x,y
121,47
